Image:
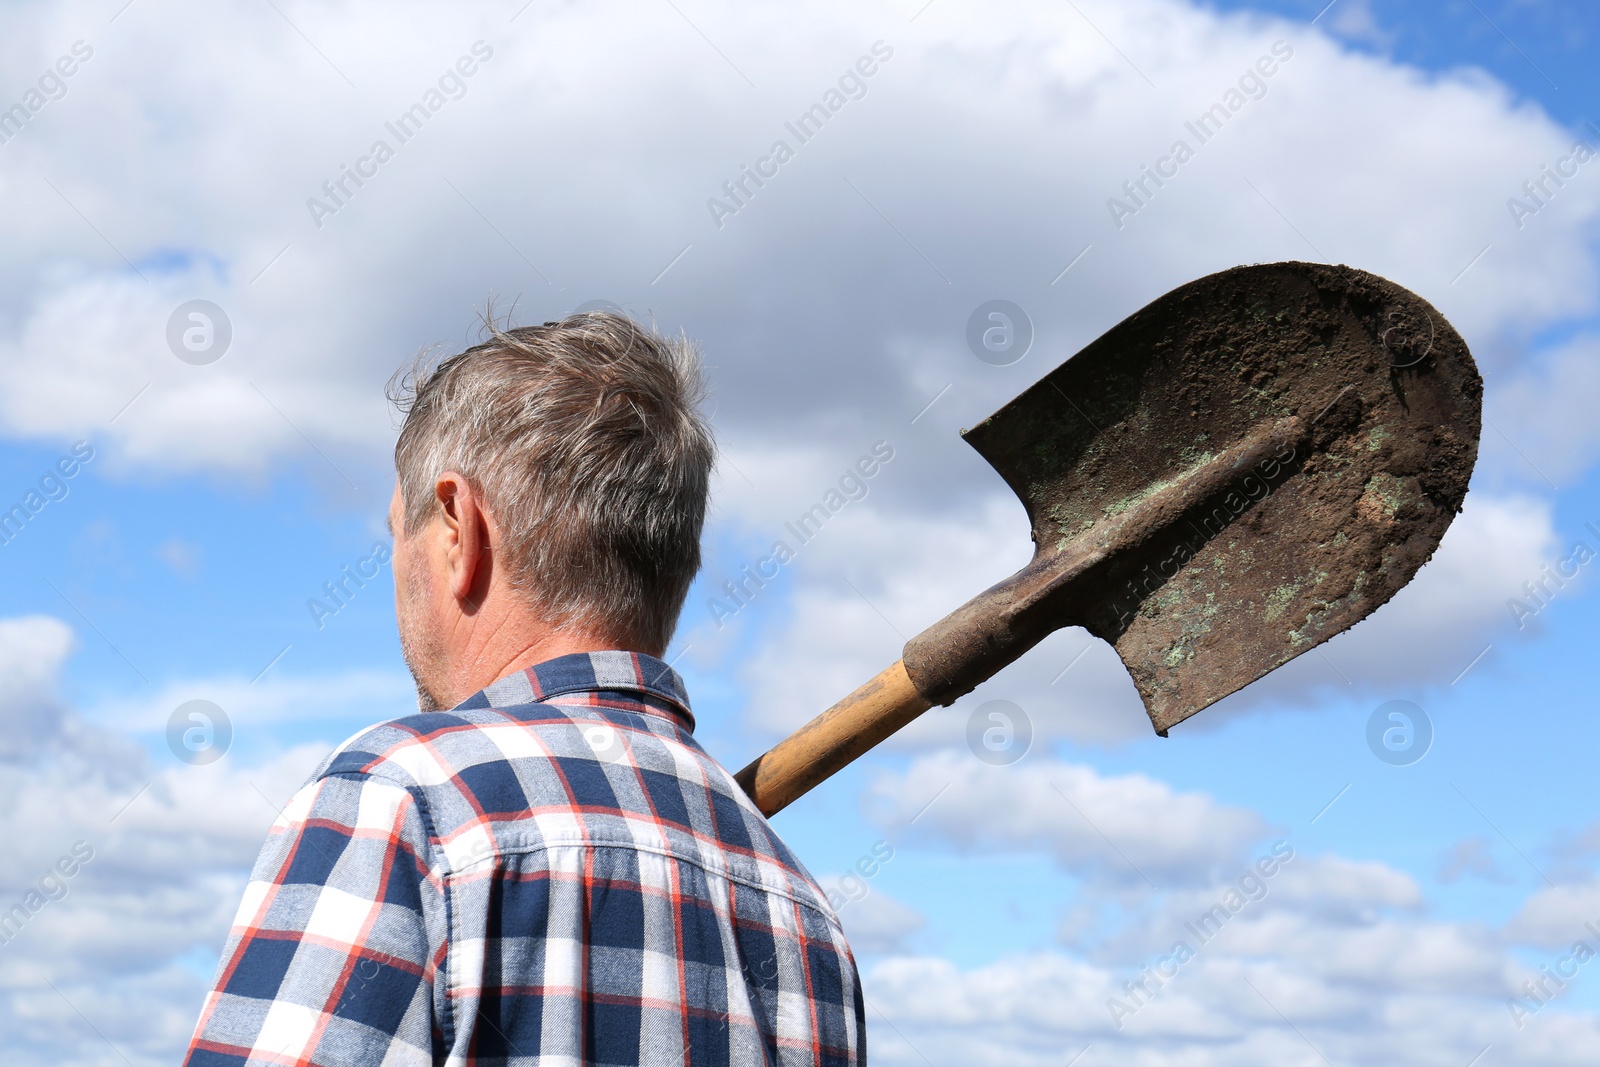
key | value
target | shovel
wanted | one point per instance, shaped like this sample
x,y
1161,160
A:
x,y
1224,480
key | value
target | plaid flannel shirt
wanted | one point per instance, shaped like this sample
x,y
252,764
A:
x,y
553,872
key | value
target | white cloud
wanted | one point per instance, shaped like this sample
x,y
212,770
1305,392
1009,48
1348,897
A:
x,y
1542,430
1046,1008
1122,830
1337,954
1226,1006
1346,890
91,361
1355,21
1029,1010
980,133
1555,916
31,652
157,851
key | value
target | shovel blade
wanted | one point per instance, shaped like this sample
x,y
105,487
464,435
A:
x,y
1306,542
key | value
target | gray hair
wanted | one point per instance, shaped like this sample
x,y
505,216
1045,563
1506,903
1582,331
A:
x,y
585,439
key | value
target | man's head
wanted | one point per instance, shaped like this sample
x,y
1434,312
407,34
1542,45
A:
x,y
551,487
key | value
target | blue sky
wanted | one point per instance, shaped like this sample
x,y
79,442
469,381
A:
x,y
831,310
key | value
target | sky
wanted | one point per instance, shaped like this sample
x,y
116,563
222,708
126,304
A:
x,y
198,483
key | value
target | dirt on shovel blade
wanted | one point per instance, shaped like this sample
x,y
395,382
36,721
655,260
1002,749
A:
x,y
1307,541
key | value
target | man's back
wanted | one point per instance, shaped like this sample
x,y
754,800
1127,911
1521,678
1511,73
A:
x,y
552,872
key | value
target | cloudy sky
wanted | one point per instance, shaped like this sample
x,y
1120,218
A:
x,y
1006,902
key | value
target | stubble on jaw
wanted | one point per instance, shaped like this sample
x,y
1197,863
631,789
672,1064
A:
x,y
419,645
426,701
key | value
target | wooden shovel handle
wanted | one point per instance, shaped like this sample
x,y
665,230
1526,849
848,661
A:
x,y
833,739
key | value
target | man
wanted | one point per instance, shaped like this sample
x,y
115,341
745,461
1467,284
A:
x,y
552,871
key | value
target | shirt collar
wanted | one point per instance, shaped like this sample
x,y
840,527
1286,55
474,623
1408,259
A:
x,y
654,681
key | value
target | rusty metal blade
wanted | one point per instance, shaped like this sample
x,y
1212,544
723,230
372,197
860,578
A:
x,y
1307,540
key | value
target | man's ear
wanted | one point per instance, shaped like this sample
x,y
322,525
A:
x,y
465,533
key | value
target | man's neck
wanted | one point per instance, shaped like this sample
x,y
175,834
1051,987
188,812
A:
x,y
507,653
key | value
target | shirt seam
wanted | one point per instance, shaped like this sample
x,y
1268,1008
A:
x,y
447,1028
418,794
737,879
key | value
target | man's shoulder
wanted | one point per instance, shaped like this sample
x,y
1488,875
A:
x,y
403,750
546,774
429,749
